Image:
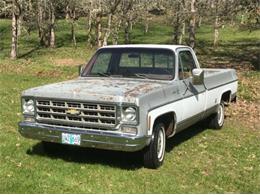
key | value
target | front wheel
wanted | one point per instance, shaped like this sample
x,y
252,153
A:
x,y
154,153
217,120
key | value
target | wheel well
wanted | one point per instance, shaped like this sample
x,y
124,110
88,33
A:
x,y
168,119
226,97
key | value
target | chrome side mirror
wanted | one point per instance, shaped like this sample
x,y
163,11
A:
x,y
197,76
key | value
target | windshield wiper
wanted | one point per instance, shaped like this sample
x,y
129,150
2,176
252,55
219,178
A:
x,y
142,76
103,74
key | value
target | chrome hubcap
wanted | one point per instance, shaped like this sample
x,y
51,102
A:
x,y
161,144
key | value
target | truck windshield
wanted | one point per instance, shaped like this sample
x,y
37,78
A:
x,y
145,63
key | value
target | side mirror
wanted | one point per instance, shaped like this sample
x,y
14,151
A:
x,y
197,76
80,69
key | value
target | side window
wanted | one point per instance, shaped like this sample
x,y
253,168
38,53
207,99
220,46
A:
x,y
186,64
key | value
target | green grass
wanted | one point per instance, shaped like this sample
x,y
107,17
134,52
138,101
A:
x,y
198,160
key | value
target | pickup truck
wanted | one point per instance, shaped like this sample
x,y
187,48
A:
x,y
129,98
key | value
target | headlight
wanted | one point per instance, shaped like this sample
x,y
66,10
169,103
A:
x,y
28,106
129,114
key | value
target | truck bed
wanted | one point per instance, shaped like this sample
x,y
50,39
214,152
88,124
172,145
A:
x,y
217,77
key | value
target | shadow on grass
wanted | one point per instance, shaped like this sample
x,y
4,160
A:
x,y
185,135
122,160
30,52
236,53
66,40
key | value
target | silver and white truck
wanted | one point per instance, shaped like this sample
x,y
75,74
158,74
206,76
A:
x,y
129,98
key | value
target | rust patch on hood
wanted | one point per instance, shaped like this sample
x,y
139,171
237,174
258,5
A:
x,y
140,89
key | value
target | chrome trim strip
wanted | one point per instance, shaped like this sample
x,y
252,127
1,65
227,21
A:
x,y
209,89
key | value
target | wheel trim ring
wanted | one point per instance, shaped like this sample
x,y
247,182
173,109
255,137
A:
x,y
220,115
161,144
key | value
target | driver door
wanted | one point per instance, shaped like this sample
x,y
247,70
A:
x,y
193,96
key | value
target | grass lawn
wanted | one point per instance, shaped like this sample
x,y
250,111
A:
x,y
198,160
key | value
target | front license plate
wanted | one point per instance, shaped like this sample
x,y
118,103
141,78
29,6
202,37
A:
x,y
71,139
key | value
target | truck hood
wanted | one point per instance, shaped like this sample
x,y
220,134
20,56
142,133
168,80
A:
x,y
97,89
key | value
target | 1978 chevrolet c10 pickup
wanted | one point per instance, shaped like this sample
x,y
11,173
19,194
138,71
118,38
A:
x,y
129,98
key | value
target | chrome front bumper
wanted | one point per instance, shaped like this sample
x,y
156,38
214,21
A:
x,y
89,138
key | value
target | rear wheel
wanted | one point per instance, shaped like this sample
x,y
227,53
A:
x,y
216,121
154,153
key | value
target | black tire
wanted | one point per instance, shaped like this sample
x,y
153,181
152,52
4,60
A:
x,y
216,121
155,152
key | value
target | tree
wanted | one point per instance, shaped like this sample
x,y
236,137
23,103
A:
x,y
250,8
16,17
178,14
74,9
192,25
46,20
99,32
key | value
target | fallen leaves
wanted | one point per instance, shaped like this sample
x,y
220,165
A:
x,y
47,73
246,112
247,107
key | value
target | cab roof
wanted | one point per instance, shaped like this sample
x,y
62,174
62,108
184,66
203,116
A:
x,y
152,46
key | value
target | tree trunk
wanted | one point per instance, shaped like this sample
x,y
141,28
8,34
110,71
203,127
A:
x,y
108,31
127,34
67,15
42,30
146,27
131,26
14,46
192,25
52,32
90,29
242,19
176,28
99,31
232,21
39,22
200,21
19,26
216,31
89,22
182,33
146,22
73,34
115,33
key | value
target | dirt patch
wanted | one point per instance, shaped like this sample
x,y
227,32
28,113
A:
x,y
68,62
44,73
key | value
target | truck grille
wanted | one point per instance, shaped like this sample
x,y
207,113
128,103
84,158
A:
x,y
76,114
